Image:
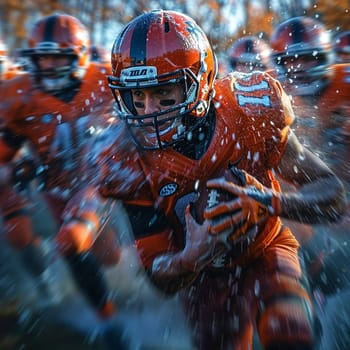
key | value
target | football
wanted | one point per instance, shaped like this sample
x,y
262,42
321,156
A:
x,y
208,198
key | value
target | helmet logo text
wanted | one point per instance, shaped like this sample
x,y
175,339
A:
x,y
139,75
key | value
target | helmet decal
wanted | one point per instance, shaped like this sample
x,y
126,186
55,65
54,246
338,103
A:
x,y
138,43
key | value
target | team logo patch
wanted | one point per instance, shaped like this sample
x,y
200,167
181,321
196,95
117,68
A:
x,y
168,189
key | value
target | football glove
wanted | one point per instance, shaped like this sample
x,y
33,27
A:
x,y
251,205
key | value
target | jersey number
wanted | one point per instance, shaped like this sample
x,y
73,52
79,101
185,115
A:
x,y
244,99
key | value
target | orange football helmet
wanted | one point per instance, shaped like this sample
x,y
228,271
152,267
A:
x,y
342,47
297,39
160,48
59,35
250,52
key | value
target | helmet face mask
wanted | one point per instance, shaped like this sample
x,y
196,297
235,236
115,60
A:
x,y
301,51
183,58
57,77
293,70
247,66
58,36
156,130
294,67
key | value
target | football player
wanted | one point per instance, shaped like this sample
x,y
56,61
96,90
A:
x,y
320,92
319,88
303,53
239,269
54,109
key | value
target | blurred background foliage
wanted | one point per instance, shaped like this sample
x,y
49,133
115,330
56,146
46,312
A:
x,y
223,20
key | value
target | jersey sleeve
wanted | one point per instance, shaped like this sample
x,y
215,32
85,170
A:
x,y
266,113
120,172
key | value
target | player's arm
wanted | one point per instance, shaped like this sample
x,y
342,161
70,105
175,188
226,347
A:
x,y
319,195
83,218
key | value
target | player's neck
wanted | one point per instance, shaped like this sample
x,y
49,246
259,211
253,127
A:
x,y
200,138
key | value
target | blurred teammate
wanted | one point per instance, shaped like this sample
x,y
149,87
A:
x,y
250,53
319,88
320,91
239,268
54,110
341,47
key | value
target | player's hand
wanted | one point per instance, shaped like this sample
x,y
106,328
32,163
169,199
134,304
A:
x,y
201,247
251,205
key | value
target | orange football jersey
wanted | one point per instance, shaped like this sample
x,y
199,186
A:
x,y
252,119
56,130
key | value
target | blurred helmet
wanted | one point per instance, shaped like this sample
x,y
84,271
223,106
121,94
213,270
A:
x,y
342,47
250,53
156,49
99,54
59,35
298,40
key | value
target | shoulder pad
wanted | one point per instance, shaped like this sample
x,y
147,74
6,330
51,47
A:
x,y
256,113
264,104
